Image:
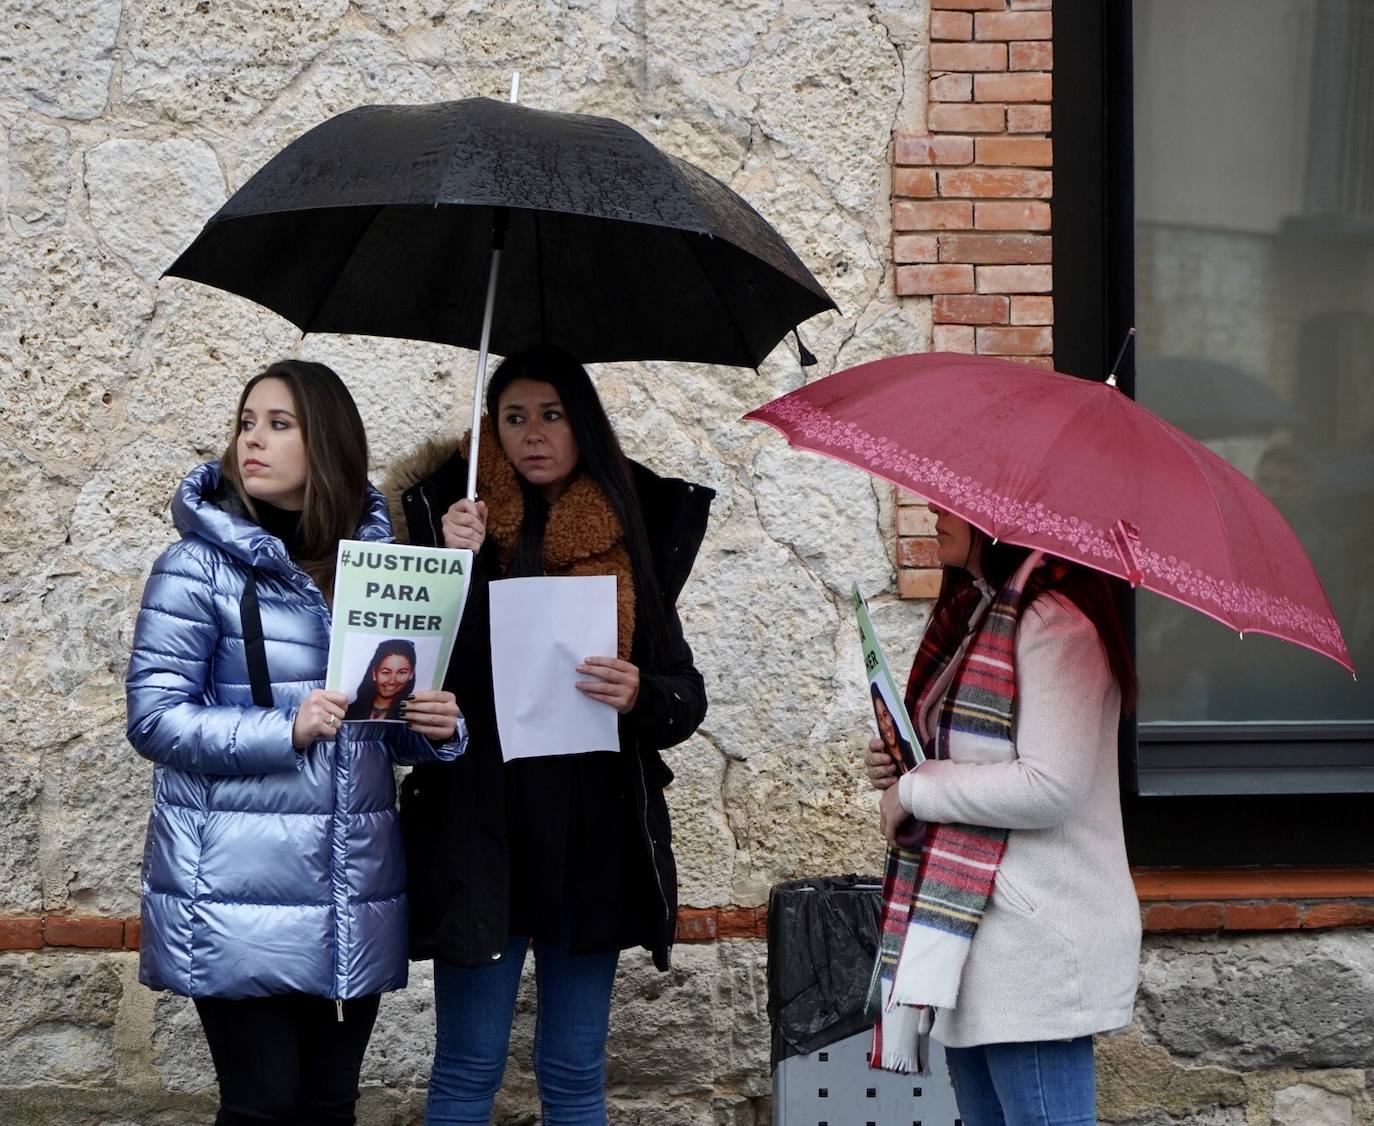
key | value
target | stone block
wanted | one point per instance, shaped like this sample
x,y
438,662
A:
x,y
21,788
149,199
1306,1105
826,89
219,62
57,1023
180,1055
38,178
58,59
1295,999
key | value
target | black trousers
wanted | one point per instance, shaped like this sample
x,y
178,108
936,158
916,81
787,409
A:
x,y
287,1059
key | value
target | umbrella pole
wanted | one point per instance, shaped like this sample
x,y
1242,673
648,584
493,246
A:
x,y
499,220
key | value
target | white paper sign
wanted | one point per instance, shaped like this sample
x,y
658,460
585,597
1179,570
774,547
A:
x,y
541,629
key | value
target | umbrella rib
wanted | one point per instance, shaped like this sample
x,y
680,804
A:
x,y
729,313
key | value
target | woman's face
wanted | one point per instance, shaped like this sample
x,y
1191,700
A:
x,y
887,726
536,435
391,674
954,542
270,446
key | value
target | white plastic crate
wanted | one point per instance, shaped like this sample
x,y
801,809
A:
x,y
835,1087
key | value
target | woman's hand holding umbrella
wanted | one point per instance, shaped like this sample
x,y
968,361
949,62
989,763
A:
x,y
465,525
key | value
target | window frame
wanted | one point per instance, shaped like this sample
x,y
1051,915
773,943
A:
x,y
1178,810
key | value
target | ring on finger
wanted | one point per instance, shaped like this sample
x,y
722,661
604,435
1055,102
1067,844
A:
x,y
330,719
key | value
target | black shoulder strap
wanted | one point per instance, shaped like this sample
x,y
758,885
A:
x,y
254,649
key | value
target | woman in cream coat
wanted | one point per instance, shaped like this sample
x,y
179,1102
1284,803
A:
x,y
1055,956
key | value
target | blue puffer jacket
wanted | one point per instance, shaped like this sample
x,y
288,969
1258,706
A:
x,y
265,871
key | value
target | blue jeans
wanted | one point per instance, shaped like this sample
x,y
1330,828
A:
x,y
474,1009
1038,1083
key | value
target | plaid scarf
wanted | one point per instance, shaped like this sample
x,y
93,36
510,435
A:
x,y
934,895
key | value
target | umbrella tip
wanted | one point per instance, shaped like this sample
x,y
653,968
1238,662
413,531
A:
x,y
514,86
1121,355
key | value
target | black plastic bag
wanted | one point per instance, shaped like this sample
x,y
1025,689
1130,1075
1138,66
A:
x,y
822,941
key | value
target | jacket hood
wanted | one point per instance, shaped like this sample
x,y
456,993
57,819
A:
x,y
205,505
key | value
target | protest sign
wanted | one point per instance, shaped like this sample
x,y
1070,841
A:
x,y
541,629
396,614
894,725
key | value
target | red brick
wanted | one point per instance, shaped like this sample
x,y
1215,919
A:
x,y
735,922
967,5
1019,152
907,497
1029,5
918,281
90,932
994,340
956,117
968,56
1192,917
1021,250
915,248
132,933
22,933
992,183
952,338
941,215
1015,279
915,148
916,551
760,922
1001,215
951,25
1261,916
918,182
1348,914
696,924
1013,25
1028,119
951,88
913,520
918,584
1031,361
969,310
1032,86
1030,56
1032,310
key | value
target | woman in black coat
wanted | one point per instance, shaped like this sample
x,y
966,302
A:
x,y
568,852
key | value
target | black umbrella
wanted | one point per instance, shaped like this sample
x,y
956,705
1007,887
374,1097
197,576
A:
x,y
384,220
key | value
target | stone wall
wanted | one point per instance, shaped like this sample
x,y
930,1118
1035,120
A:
x,y
122,127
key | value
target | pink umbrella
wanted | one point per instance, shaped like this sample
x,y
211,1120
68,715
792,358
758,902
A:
x,y
1076,468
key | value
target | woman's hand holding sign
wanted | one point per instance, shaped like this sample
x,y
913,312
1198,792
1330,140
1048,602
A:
x,y
318,717
882,770
431,714
617,683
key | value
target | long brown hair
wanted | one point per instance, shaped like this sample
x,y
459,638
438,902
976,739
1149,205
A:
x,y
335,462
1097,595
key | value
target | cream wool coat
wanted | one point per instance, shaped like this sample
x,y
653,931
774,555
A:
x,y
1057,954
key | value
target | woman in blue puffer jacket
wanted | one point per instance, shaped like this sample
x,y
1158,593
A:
x,y
273,874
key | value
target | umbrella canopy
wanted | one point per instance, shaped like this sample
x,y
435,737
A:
x,y
380,221
1077,469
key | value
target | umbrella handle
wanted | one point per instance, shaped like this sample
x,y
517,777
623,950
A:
x,y
500,219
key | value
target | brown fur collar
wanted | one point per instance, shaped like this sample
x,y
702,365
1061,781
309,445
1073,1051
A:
x,y
581,537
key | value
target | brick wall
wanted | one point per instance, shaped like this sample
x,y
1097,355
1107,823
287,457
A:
x,y
971,208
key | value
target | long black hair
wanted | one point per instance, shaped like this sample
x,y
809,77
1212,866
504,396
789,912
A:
x,y
1099,596
361,707
600,457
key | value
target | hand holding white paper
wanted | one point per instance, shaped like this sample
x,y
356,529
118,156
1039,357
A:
x,y
541,628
